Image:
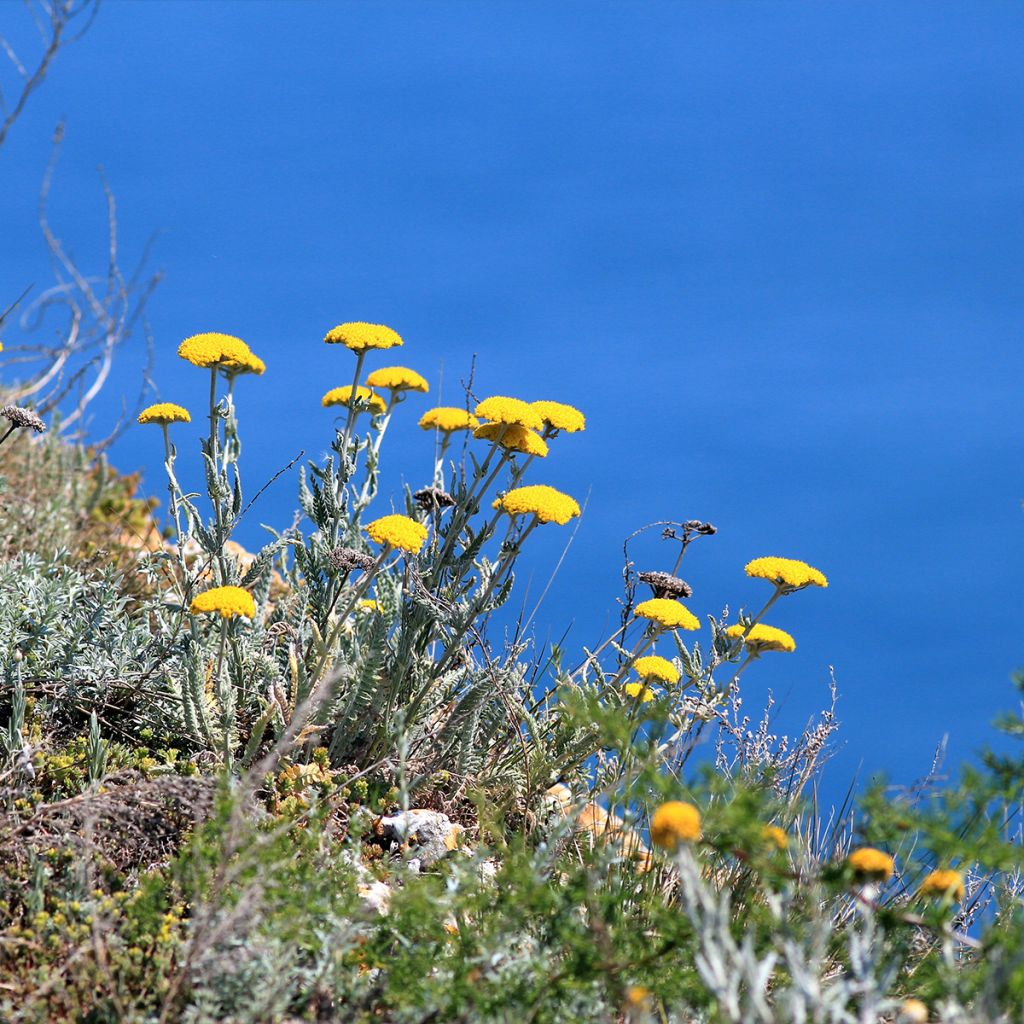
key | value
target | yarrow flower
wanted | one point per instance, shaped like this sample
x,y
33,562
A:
x,y
19,417
776,836
499,409
214,351
367,604
432,499
664,584
513,437
359,336
547,504
674,823
763,638
654,667
667,613
165,412
448,418
638,690
398,532
346,559
872,863
944,882
364,396
228,602
788,574
397,378
561,417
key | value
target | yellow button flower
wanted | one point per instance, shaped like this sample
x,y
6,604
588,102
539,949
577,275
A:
x,y
499,409
943,882
547,504
221,352
763,638
227,602
165,412
872,863
513,437
448,418
364,396
776,836
668,613
397,378
561,417
673,823
359,336
398,532
787,573
638,690
654,667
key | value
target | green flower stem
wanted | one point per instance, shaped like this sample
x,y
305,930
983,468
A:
x,y
215,456
220,685
352,402
172,505
753,622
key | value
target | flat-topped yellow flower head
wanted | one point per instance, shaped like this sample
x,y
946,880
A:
x,y
639,692
547,504
763,638
872,863
561,417
165,412
668,613
397,378
654,667
513,437
788,574
364,397
447,419
213,351
945,882
674,823
249,363
359,336
228,602
775,836
398,531
499,409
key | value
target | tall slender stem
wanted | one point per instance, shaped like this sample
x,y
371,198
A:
x,y
217,473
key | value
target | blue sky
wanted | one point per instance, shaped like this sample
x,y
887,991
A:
x,y
774,252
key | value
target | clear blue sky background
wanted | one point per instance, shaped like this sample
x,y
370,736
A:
x,y
774,252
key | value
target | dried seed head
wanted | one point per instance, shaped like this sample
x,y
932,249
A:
x,y
19,417
430,498
707,529
698,526
666,585
347,559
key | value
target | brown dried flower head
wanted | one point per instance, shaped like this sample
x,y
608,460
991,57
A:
x,y
19,417
430,498
665,584
347,559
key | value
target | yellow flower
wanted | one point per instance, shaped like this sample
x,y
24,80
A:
x,y
654,667
871,862
498,409
448,418
788,573
763,638
561,417
368,605
364,396
944,882
668,613
513,437
673,823
775,835
638,997
165,412
547,504
221,352
397,378
226,602
645,693
248,363
361,336
398,532
913,1011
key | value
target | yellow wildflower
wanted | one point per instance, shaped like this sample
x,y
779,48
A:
x,y
247,363
654,667
397,378
499,409
763,638
943,882
368,605
216,351
360,336
787,573
226,602
668,613
913,1011
871,862
776,836
165,412
364,396
645,693
673,823
561,417
398,532
638,997
448,418
547,504
513,437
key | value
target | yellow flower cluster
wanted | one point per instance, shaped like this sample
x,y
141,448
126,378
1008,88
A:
x,y
638,690
789,574
165,412
448,418
498,409
227,602
213,351
944,882
668,613
763,638
398,531
872,863
654,667
674,823
360,336
514,437
364,396
547,504
561,417
397,378
776,836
